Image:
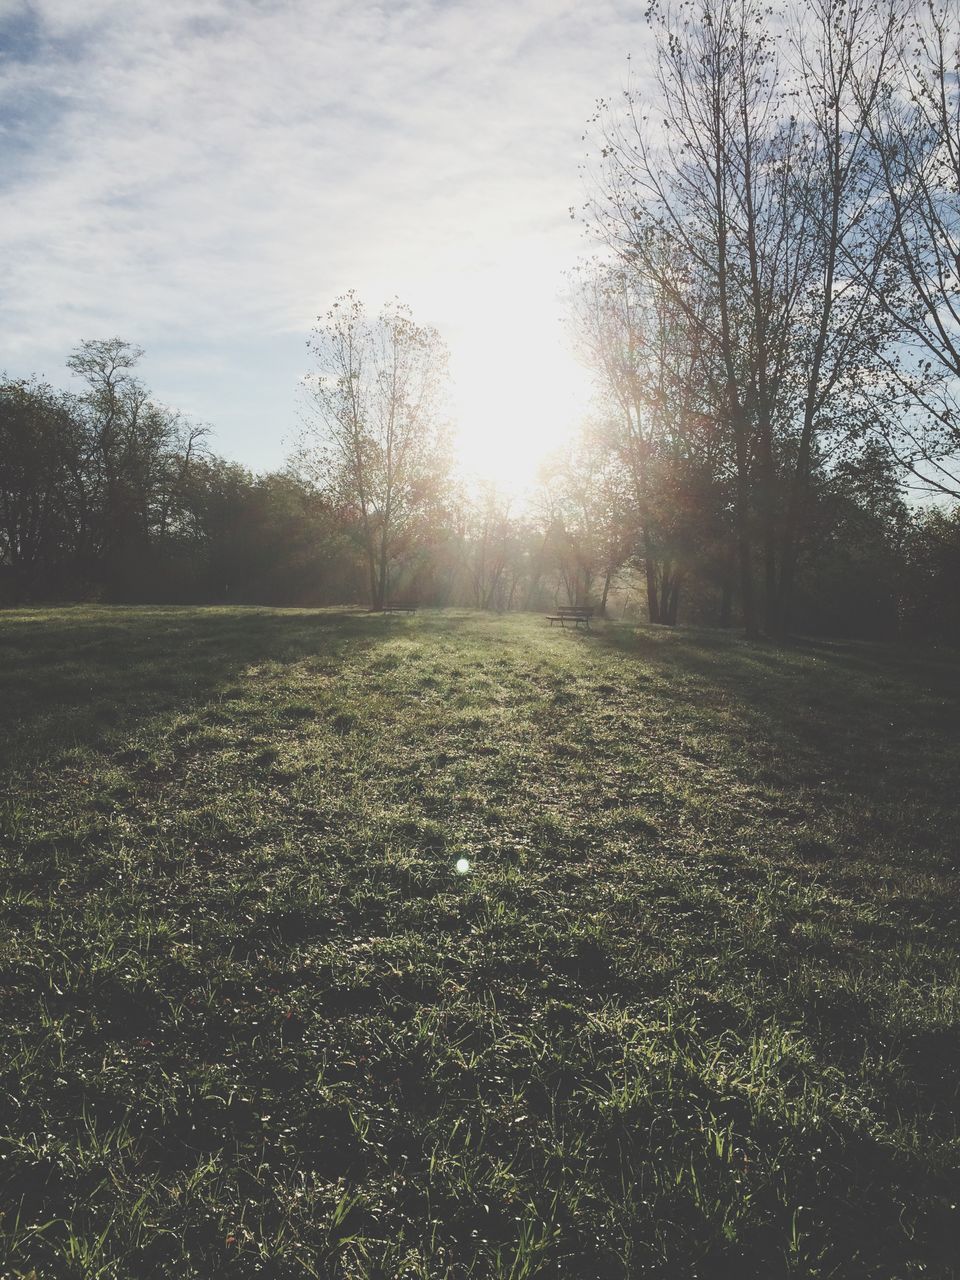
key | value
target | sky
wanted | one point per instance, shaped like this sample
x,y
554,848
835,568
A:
x,y
204,177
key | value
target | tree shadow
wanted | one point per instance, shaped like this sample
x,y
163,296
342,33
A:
x,y
75,676
863,715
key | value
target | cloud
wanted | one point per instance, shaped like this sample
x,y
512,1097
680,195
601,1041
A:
x,y
206,176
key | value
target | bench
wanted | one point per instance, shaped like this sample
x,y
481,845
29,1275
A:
x,y
400,606
575,613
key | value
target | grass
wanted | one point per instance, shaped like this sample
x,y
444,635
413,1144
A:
x,y
693,1012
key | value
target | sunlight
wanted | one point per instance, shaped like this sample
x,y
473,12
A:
x,y
518,392
503,488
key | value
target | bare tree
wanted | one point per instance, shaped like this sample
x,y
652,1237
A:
x,y
588,516
842,49
376,438
915,129
658,393
753,168
703,176
490,536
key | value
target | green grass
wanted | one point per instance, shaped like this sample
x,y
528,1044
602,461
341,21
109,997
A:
x,y
692,1013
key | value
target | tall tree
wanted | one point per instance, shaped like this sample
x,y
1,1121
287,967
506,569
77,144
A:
x,y
754,170
915,131
376,437
41,445
136,456
842,51
658,391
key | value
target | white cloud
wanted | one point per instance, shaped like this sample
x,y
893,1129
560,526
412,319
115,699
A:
x,y
205,177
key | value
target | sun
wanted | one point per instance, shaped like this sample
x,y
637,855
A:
x,y
518,396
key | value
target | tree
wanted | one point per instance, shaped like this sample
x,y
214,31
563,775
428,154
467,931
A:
x,y
712,185
852,573
111,491
587,512
376,439
40,446
660,417
491,535
842,50
930,601
915,130
755,172
135,460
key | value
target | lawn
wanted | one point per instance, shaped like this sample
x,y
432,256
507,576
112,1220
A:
x,y
692,1011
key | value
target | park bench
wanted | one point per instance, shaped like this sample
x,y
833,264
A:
x,y
400,606
575,613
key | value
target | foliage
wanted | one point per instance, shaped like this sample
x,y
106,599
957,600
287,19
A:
x,y
110,494
930,601
41,452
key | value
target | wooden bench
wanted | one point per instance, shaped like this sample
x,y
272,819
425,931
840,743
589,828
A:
x,y
576,613
400,606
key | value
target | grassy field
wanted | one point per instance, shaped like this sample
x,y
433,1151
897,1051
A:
x,y
692,1012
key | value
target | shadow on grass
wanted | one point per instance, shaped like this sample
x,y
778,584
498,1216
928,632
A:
x,y
69,676
868,724
809,684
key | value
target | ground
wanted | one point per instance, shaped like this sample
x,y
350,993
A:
x,y
692,1011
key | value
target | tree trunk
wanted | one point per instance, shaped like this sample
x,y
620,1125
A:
x,y
537,572
726,591
606,592
746,586
650,569
669,593
790,548
653,598
745,558
375,602
674,602
770,584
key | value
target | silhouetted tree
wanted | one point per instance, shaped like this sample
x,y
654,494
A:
x,y
41,482
915,131
376,441
756,175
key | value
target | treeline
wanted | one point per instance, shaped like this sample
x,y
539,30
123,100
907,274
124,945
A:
x,y
109,495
